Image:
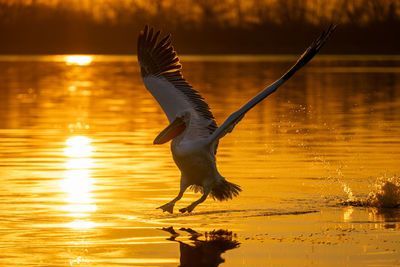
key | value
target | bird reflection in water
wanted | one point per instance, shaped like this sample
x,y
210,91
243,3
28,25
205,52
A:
x,y
203,252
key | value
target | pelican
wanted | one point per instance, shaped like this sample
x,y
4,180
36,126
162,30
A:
x,y
192,127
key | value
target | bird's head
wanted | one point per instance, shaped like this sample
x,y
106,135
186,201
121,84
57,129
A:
x,y
176,128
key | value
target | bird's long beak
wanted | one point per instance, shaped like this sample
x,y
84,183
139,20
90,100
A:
x,y
173,130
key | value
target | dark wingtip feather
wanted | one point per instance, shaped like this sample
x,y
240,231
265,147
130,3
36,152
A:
x,y
155,57
145,31
324,37
154,39
150,34
311,51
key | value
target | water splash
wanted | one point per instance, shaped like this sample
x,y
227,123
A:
x,y
349,192
385,193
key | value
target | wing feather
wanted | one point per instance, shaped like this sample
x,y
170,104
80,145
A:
x,y
235,117
162,75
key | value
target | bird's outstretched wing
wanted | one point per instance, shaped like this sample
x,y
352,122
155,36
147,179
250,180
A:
x,y
162,76
235,117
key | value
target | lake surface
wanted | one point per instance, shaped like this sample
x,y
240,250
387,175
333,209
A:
x,y
318,162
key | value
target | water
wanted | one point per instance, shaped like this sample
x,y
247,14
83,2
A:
x,y
318,163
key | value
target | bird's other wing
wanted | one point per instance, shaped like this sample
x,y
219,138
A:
x,y
235,117
162,76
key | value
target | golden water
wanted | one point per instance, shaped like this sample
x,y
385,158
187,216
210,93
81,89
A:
x,y
81,180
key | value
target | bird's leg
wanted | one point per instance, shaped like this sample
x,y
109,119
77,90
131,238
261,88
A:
x,y
169,207
197,202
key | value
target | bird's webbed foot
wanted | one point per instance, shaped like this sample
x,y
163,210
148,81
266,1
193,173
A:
x,y
191,207
169,207
188,209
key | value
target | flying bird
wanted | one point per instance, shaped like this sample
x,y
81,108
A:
x,y
192,127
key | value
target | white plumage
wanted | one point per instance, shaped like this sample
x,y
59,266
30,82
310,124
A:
x,y
192,128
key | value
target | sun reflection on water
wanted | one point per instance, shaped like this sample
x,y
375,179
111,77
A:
x,y
78,183
78,60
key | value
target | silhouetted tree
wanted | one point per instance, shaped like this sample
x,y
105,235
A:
x,y
228,26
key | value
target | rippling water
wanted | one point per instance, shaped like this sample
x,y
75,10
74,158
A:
x,y
81,180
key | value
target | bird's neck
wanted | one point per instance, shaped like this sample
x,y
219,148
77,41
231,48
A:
x,y
176,141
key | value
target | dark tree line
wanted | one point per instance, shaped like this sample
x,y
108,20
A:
x,y
199,26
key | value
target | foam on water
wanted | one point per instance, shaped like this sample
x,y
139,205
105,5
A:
x,y
385,193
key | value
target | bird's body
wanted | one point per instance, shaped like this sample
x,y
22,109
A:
x,y
195,161
193,130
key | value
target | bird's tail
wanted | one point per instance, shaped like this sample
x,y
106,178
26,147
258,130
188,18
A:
x,y
224,190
